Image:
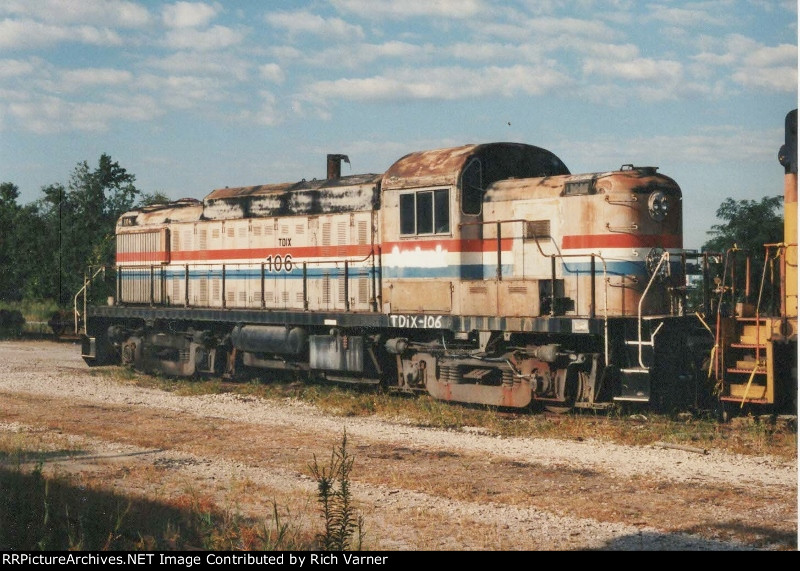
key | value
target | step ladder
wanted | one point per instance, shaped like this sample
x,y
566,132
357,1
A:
x,y
747,376
635,380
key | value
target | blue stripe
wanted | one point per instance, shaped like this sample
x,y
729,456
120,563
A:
x,y
463,271
614,268
246,274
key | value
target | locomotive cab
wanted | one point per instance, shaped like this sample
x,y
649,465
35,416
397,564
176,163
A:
x,y
437,252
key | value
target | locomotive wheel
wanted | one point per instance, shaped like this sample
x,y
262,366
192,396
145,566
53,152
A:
x,y
572,388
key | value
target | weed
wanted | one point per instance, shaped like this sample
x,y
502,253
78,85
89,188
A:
x,y
344,526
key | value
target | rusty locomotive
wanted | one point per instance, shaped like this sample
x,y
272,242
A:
x,y
481,274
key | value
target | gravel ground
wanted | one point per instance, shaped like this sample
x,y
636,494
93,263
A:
x,y
418,488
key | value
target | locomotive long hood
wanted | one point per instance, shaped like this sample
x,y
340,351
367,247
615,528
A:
x,y
356,192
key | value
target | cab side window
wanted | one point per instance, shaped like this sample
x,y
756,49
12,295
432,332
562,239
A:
x,y
425,212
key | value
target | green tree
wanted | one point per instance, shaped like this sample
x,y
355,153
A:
x,y
71,228
48,246
747,226
149,199
9,269
9,193
47,236
95,199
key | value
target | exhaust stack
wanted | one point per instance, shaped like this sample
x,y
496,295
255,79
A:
x,y
335,165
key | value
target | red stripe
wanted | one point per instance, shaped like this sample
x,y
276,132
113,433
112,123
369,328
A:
x,y
346,251
582,241
621,241
350,251
142,257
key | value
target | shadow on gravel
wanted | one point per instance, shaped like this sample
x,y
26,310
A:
x,y
43,513
771,539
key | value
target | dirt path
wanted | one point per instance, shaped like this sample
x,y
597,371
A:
x,y
417,488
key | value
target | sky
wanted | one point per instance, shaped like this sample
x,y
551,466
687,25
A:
x,y
193,96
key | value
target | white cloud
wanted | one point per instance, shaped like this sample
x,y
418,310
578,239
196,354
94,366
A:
x,y
770,68
88,12
712,14
715,145
97,36
398,49
189,14
620,52
288,53
639,69
200,63
78,78
51,114
767,56
357,55
45,115
441,83
272,72
752,64
492,52
267,114
572,32
730,143
303,22
26,34
213,38
98,116
185,91
781,79
391,9
712,59
16,67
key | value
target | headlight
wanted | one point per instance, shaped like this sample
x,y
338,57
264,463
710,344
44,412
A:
x,y
658,205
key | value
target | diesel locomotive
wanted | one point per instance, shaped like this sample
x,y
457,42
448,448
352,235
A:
x,y
485,273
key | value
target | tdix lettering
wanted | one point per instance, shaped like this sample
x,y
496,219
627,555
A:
x,y
416,321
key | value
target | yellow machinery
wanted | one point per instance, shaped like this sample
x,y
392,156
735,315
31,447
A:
x,y
756,359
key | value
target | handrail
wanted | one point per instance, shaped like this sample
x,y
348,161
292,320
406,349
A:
x,y
664,256
254,262
782,252
759,345
86,282
561,256
718,364
371,255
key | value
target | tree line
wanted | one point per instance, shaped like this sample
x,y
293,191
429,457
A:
x,y
47,246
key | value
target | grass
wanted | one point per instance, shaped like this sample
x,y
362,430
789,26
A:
x,y
36,315
32,310
57,512
753,435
